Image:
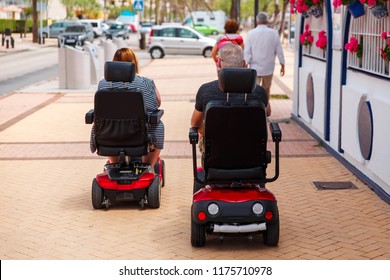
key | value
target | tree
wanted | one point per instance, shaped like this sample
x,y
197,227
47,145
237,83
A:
x,y
234,10
83,5
35,21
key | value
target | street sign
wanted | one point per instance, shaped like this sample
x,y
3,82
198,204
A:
x,y
138,6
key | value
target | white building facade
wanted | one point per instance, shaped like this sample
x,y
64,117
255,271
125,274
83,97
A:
x,y
343,98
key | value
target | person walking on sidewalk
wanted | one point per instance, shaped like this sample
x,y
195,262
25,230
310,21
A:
x,y
230,36
231,56
262,44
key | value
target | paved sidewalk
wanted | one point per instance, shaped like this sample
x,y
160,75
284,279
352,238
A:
x,y
47,170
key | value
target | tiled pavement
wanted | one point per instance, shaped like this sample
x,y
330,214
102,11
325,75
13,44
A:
x,y
47,169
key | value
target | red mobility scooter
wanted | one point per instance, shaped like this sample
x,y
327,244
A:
x,y
121,129
230,196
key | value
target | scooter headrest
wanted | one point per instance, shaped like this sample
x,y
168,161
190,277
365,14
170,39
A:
x,y
237,80
119,71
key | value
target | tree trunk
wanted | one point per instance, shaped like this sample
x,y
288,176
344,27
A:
x,y
35,22
157,10
281,28
233,10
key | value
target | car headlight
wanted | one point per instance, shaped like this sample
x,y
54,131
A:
x,y
257,208
213,209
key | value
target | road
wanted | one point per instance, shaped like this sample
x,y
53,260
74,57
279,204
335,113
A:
x,y
20,69
27,67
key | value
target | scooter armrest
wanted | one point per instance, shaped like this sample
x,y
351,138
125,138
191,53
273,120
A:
x,y
276,132
156,116
193,135
89,116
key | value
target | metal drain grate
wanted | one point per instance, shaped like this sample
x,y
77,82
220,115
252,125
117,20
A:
x,y
334,185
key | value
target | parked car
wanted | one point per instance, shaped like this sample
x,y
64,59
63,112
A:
x,y
177,39
105,27
96,26
76,34
146,27
118,30
132,27
55,29
206,29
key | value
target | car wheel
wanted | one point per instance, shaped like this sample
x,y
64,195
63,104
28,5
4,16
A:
x,y
154,194
207,52
156,52
97,195
271,235
198,234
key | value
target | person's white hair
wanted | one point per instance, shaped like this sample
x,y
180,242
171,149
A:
x,y
231,56
262,18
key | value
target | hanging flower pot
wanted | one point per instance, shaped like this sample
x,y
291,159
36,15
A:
x,y
379,11
316,11
306,14
356,9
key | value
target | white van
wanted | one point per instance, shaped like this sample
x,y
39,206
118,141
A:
x,y
216,19
96,25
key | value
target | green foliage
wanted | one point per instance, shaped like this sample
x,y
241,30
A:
x,y
247,7
84,5
114,11
17,26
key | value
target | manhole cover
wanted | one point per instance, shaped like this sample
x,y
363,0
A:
x,y
334,185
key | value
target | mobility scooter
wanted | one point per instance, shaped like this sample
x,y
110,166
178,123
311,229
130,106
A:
x,y
230,196
121,129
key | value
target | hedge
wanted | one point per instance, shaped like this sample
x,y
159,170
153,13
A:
x,y
18,25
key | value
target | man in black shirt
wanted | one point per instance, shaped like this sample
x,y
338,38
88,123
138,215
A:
x,y
231,56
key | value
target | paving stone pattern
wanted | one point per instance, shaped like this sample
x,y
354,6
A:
x,y
47,169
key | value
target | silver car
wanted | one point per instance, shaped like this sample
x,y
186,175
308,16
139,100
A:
x,y
178,39
55,29
76,34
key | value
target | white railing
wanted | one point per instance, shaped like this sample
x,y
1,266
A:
x,y
367,29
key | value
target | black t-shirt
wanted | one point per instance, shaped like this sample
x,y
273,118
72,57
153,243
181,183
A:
x,y
211,91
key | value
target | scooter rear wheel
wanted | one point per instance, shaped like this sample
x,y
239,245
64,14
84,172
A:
x,y
97,195
198,234
154,193
157,171
271,235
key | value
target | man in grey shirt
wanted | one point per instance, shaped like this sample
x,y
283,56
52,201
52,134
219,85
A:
x,y
262,44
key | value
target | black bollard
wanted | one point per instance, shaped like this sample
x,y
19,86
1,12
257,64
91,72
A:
x,y
12,42
142,41
7,43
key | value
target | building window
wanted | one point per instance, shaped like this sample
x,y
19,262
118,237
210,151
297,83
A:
x,y
316,25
